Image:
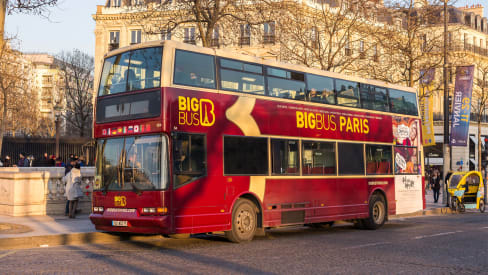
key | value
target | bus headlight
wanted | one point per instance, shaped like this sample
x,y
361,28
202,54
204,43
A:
x,y
98,209
154,211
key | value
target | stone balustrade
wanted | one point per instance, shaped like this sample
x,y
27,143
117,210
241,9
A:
x,y
39,190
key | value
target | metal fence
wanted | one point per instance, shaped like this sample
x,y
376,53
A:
x,y
38,146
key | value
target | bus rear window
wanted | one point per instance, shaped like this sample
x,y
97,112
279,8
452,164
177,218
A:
x,y
403,102
130,71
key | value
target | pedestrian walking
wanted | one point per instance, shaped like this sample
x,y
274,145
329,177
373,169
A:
x,y
7,162
73,189
435,184
23,161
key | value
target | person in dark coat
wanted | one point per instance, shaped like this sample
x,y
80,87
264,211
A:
x,y
23,161
7,162
435,183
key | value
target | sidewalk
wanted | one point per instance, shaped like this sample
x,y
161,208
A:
x,y
42,231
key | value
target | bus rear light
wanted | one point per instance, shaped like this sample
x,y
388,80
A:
x,y
98,209
154,211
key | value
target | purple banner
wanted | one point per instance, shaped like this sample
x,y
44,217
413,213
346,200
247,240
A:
x,y
461,105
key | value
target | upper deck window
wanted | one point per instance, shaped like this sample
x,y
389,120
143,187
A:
x,y
347,93
243,77
403,102
194,69
286,84
129,71
320,89
374,98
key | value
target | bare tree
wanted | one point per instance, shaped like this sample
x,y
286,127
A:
x,y
325,35
77,68
206,19
479,100
36,7
17,98
412,42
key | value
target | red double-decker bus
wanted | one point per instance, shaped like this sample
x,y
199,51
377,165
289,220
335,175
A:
x,y
193,140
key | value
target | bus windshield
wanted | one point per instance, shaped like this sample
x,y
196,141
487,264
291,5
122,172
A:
x,y
131,163
134,70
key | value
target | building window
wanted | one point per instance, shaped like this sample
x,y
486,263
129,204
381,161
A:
x,y
135,36
114,40
215,37
115,3
245,38
348,51
189,35
314,37
269,33
376,57
166,35
362,54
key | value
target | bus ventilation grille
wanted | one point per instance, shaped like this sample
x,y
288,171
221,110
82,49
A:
x,y
292,217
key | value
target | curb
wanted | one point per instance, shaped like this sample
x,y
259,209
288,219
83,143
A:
x,y
70,239
428,212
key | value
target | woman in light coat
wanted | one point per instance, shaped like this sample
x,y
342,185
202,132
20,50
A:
x,y
72,188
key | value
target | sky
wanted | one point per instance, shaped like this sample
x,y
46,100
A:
x,y
70,26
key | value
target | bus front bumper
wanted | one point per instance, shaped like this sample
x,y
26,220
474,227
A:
x,y
140,224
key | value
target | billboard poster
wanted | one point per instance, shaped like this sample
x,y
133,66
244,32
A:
x,y
426,106
461,105
408,193
405,131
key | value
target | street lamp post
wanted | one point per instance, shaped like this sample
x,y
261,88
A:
x,y
57,114
447,149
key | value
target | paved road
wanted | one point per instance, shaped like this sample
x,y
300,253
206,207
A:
x,y
452,244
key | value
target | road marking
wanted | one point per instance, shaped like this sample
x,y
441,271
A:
x,y
485,227
436,235
8,253
366,245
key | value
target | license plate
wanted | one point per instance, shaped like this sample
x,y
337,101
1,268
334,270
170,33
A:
x,y
119,223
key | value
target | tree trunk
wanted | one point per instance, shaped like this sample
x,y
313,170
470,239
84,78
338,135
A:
x,y
3,11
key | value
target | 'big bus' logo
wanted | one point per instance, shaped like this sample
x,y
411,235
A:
x,y
195,112
120,201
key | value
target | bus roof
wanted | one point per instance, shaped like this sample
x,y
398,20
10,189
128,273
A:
x,y
252,59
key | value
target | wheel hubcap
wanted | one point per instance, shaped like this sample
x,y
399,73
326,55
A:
x,y
244,221
378,212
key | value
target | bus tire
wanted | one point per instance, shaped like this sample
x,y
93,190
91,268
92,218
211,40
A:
x,y
482,205
377,212
244,222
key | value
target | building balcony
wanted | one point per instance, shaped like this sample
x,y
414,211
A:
x,y
269,39
244,41
113,46
215,43
189,41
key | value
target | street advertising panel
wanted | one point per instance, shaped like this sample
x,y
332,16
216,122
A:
x,y
461,105
408,193
426,106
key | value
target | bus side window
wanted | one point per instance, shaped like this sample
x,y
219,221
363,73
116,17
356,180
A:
x,y
194,69
189,157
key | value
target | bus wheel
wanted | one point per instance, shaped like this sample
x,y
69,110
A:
x,y
377,212
244,222
482,205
